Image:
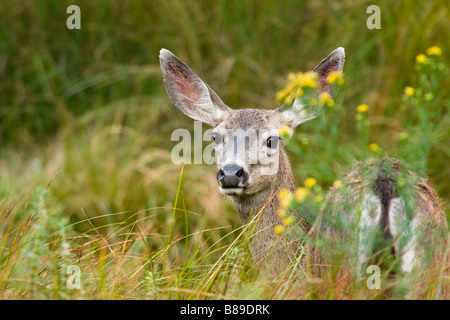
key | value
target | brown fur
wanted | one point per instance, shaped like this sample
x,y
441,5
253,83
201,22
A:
x,y
375,175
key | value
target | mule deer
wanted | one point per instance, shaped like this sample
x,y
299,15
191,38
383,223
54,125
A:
x,y
372,185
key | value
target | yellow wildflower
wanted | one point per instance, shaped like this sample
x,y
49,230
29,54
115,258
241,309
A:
x,y
289,99
374,147
336,77
434,51
285,198
362,108
303,80
292,76
421,58
318,198
294,88
338,184
281,213
309,81
299,93
285,131
301,194
281,95
310,182
278,229
283,193
289,220
326,99
409,91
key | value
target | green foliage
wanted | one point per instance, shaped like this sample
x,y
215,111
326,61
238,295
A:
x,y
422,108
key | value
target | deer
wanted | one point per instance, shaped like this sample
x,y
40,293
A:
x,y
374,199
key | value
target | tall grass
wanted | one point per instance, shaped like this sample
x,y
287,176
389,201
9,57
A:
x,y
85,172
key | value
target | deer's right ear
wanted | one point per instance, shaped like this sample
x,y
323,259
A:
x,y
189,93
334,62
298,113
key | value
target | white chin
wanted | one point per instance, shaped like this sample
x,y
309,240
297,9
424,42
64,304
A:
x,y
231,191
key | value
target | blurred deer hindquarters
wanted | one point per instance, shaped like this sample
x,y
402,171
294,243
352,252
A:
x,y
372,198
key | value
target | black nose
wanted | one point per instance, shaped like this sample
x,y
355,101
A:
x,y
231,175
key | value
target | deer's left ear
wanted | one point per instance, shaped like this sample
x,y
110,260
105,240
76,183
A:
x,y
298,114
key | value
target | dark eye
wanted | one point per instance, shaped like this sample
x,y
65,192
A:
x,y
272,142
217,138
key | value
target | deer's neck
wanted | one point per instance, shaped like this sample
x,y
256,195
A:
x,y
266,202
267,198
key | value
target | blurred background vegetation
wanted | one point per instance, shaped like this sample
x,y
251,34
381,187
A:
x,y
85,112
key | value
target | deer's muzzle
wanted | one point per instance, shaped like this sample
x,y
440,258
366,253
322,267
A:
x,y
231,176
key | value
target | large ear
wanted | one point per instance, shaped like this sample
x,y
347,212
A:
x,y
189,93
298,113
334,62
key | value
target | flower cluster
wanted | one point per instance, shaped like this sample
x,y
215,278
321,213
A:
x,y
432,51
286,199
421,105
422,60
305,85
309,194
336,77
296,86
325,99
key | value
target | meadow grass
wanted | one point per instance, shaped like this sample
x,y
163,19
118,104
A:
x,y
86,177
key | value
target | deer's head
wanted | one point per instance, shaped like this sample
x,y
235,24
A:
x,y
247,143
